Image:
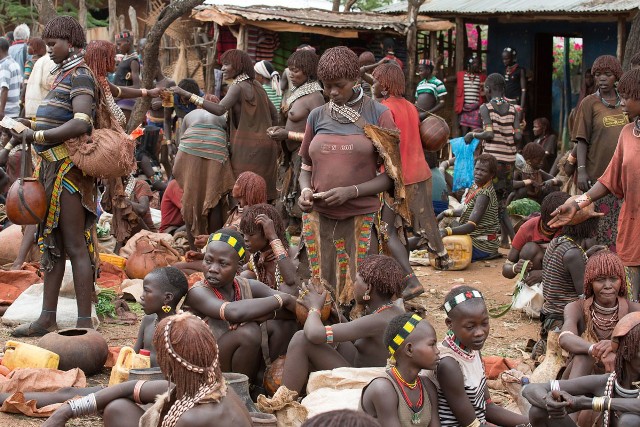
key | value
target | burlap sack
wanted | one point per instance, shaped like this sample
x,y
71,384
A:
x,y
284,406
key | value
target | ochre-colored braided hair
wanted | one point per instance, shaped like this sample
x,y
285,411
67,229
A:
x,y
604,264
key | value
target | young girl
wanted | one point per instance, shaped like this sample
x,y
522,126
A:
x,y
546,139
162,290
360,345
265,239
532,181
463,394
479,211
402,398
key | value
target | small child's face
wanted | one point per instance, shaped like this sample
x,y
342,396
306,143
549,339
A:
x,y
5,137
426,347
536,163
152,298
255,242
470,324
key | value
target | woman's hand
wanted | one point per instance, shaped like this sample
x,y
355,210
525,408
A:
x,y
179,91
305,201
191,256
155,92
443,233
27,132
339,196
583,179
310,298
517,268
267,227
534,277
468,138
201,241
277,133
602,349
563,214
557,403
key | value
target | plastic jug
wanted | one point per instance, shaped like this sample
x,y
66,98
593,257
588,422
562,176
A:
x,y
459,248
22,355
127,360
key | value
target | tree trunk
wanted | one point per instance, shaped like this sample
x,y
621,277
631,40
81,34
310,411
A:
x,y
133,20
633,41
169,14
412,34
349,4
82,13
336,6
46,11
113,20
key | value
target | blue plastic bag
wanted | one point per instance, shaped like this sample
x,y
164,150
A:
x,y
463,169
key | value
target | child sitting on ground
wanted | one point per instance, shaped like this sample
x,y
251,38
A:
x,y
266,241
463,394
532,182
401,397
378,280
162,290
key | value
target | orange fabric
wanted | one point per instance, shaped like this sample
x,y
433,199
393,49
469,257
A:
x,y
41,379
495,365
111,277
13,283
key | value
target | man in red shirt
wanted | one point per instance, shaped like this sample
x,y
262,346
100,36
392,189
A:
x,y
170,208
531,241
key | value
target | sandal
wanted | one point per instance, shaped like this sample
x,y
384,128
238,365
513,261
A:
x,y
32,330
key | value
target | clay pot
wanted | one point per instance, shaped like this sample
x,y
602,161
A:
x,y
302,312
434,132
149,255
31,207
78,348
273,375
260,419
240,384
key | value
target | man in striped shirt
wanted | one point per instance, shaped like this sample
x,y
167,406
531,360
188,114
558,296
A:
x,y
10,81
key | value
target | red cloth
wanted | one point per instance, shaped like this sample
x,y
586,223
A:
x,y
460,90
530,232
621,178
13,283
393,58
171,206
405,115
111,277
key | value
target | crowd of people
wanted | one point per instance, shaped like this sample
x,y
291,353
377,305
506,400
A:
x,y
305,191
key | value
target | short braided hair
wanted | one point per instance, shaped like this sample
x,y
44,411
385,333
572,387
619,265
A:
x,y
629,84
337,63
306,61
390,78
604,264
65,28
533,150
240,61
100,57
550,203
383,273
606,63
248,222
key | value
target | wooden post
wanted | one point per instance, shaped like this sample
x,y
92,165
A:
x,y
82,14
113,20
412,33
479,45
622,37
433,45
133,19
461,43
212,56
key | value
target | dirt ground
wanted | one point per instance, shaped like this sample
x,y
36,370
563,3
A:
x,y
508,337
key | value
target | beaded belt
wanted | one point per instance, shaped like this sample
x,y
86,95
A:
x,y
59,152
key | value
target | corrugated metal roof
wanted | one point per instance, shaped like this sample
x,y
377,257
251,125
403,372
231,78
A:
x,y
501,7
306,4
352,21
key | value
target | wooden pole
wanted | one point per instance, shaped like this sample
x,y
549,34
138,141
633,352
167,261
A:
x,y
133,19
461,43
622,37
113,20
412,33
82,14
433,45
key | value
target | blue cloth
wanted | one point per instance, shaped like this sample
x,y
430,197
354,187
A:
x,y
439,207
463,170
478,255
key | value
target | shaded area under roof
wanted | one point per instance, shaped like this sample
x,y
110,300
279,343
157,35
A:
x,y
334,24
502,7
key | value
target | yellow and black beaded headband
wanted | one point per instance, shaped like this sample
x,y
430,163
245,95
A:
x,y
459,299
404,333
230,240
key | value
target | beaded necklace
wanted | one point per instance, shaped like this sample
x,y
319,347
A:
x,y
69,63
603,323
608,391
416,408
240,78
606,104
509,71
636,128
453,344
344,114
237,296
474,190
498,100
383,308
577,245
307,88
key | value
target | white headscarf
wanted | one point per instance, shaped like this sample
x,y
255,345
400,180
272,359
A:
x,y
262,68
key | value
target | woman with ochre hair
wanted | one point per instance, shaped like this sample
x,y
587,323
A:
x,y
339,177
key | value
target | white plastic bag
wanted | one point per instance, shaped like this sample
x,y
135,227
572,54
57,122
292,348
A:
x,y
529,299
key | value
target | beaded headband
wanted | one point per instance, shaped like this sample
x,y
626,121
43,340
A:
x,y
230,240
460,298
123,35
425,62
178,358
404,333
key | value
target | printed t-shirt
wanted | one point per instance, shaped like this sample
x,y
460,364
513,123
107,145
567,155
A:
x,y
405,116
170,206
432,86
341,156
600,127
621,178
530,232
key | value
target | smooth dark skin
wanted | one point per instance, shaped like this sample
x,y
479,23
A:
x,y
532,190
552,410
147,169
419,351
481,176
240,346
215,216
72,215
341,91
469,322
360,340
508,60
121,411
152,300
426,102
233,99
606,85
299,111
